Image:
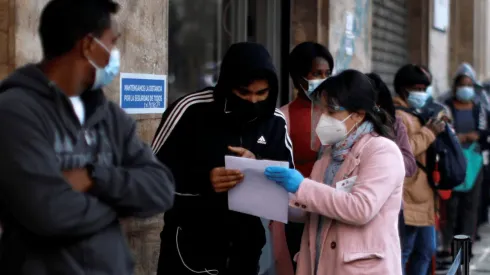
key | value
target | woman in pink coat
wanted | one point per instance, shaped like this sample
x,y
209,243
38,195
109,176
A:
x,y
350,205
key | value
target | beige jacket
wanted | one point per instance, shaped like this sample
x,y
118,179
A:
x,y
418,196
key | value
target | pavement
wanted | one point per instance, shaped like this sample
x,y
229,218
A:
x,y
480,264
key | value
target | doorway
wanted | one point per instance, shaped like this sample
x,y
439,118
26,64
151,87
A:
x,y
200,32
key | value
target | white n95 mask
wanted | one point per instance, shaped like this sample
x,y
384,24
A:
x,y
330,130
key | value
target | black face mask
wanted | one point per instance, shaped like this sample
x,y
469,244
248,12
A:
x,y
244,110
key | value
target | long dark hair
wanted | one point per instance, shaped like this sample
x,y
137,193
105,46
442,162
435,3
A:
x,y
385,100
354,91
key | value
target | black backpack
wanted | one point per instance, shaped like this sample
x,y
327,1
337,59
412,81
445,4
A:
x,y
445,162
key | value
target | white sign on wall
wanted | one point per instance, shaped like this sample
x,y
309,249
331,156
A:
x,y
441,15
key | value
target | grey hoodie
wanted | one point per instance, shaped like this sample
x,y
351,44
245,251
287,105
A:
x,y
481,96
49,228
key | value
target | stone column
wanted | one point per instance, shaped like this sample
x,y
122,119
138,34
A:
x,y
481,51
486,42
461,34
309,21
324,21
438,55
7,37
144,50
418,26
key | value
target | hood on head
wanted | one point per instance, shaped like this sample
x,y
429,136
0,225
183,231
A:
x,y
246,59
467,70
29,77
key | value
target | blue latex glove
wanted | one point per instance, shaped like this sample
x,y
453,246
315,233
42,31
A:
x,y
290,179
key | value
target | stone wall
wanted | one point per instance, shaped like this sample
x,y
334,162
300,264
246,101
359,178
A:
x,y
361,56
144,50
461,34
482,39
324,21
310,21
7,37
418,31
439,57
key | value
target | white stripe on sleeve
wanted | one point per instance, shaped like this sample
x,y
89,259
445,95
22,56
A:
x,y
287,140
176,114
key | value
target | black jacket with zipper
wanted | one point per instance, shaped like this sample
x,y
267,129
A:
x,y
191,140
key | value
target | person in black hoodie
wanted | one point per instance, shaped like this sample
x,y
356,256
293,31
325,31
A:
x,y
237,117
72,163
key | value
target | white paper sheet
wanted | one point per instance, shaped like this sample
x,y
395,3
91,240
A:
x,y
256,195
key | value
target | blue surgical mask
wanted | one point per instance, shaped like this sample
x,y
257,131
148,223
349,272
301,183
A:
x,y
104,76
313,84
417,99
429,91
465,93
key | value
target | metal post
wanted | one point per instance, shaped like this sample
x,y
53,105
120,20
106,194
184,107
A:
x,y
462,242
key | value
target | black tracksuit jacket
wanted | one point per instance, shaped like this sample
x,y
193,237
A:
x,y
191,140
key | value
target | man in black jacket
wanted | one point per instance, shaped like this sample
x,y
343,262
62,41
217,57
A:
x,y
72,163
237,117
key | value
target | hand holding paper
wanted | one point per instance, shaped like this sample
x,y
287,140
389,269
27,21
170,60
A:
x,y
224,179
256,195
241,152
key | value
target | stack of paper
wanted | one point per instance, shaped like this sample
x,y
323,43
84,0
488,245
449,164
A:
x,y
256,195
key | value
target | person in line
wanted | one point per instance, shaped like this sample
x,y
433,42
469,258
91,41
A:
x,y
432,107
480,98
353,198
309,65
418,197
237,117
469,120
481,95
385,102
72,162
430,89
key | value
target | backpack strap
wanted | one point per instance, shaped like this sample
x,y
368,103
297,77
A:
x,y
479,114
450,105
412,112
421,166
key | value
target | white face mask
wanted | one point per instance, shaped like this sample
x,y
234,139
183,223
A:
x,y
330,130
313,84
